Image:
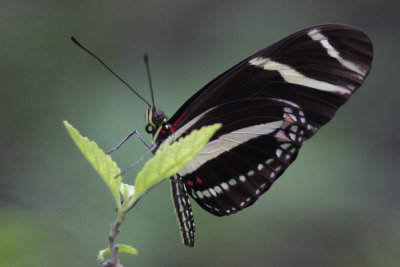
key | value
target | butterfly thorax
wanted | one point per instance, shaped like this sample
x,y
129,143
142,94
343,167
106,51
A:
x,y
156,123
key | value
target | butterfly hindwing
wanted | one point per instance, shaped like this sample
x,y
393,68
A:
x,y
183,210
259,139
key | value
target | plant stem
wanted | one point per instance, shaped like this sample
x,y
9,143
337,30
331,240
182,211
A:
x,y
111,241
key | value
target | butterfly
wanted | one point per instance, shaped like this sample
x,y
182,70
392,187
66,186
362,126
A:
x,y
268,104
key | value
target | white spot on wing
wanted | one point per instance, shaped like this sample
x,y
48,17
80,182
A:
x,y
225,186
206,193
279,152
287,110
293,117
269,161
260,167
212,192
285,145
218,189
232,182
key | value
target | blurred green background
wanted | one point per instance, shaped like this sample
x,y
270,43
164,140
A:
x,y
337,205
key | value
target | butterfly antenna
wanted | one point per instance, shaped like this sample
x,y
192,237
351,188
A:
x,y
146,62
108,68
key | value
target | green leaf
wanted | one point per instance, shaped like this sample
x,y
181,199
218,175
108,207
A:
x,y
127,191
102,254
102,163
126,249
121,248
171,158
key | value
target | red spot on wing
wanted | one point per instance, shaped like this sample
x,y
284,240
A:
x,y
178,121
189,183
198,180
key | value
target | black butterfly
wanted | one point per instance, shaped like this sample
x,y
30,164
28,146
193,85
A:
x,y
268,105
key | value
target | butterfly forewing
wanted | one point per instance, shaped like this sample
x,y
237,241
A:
x,y
317,68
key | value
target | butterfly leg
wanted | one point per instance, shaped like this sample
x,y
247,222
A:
x,y
150,150
126,139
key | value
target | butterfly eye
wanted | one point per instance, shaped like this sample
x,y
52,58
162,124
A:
x,y
149,129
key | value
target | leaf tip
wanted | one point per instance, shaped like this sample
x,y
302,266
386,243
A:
x,y
66,123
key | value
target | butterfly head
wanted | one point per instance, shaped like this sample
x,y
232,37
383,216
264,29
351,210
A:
x,y
156,121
